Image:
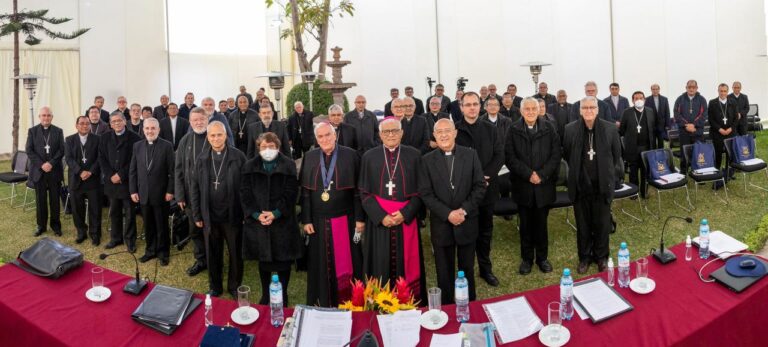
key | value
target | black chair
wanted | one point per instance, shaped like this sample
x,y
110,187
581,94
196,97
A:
x,y
628,191
562,200
753,119
664,186
702,178
19,174
745,169
674,141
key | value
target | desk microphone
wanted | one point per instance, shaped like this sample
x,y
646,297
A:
x,y
135,285
664,255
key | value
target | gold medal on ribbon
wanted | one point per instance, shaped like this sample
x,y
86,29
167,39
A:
x,y
325,196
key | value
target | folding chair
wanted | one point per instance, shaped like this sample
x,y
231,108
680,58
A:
x,y
505,206
562,200
18,174
743,168
703,178
663,186
627,191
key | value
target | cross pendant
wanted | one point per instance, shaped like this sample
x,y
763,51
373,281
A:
x,y
216,184
84,160
47,149
241,134
639,128
591,154
390,186
725,120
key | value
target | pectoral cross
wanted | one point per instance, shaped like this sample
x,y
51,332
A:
x,y
639,127
591,154
390,186
84,160
241,134
216,184
47,149
725,120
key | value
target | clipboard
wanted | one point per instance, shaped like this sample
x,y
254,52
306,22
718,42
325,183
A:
x,y
613,290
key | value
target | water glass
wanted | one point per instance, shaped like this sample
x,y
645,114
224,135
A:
x,y
642,272
434,298
97,280
242,300
554,322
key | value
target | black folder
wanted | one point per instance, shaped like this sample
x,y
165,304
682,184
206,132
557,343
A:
x,y
165,308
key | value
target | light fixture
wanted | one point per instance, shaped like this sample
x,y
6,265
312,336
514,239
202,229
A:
x,y
30,84
535,67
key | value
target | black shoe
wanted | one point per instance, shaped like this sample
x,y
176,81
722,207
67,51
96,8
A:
x,y
113,244
545,266
583,267
491,279
132,248
57,232
525,267
602,265
214,293
147,257
38,232
80,239
96,242
164,261
195,269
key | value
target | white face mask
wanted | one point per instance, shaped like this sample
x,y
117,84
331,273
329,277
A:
x,y
269,154
639,103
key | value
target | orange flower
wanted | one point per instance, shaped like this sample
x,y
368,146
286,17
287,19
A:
x,y
402,290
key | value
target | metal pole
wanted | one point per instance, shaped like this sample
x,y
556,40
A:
x,y
613,58
31,108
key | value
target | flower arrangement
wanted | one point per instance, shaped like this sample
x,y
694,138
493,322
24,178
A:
x,y
372,296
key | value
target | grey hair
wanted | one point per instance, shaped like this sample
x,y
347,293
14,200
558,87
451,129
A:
x,y
197,109
319,125
530,99
335,107
444,120
590,83
208,98
151,120
297,103
588,98
216,124
117,113
391,120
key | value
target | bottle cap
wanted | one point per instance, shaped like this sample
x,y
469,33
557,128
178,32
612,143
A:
x,y
207,299
623,245
275,278
688,240
566,272
461,274
610,262
704,222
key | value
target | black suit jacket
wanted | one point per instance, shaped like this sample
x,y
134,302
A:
x,y
416,133
73,154
602,112
610,166
35,148
277,127
367,129
388,109
526,153
440,199
490,150
154,182
160,112
419,106
115,153
663,121
166,133
628,129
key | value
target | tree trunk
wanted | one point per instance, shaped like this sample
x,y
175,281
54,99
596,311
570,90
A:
x,y
323,49
15,132
298,40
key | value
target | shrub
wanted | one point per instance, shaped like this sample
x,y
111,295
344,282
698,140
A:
x,y
321,98
757,237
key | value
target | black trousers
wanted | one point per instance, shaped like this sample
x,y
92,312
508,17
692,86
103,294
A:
x,y
122,219
77,199
660,139
48,199
156,229
637,173
686,138
593,224
266,280
534,241
719,144
445,263
215,236
197,237
484,237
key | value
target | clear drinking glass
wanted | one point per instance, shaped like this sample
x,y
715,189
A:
x,y
642,272
555,322
243,292
97,280
434,299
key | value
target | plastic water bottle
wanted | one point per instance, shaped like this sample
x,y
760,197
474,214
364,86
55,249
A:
x,y
704,239
276,302
208,310
461,296
611,272
688,254
566,295
623,265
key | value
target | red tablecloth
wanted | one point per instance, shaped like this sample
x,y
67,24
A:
x,y
681,311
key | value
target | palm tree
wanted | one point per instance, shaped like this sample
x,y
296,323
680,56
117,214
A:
x,y
29,23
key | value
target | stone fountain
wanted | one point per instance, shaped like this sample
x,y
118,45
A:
x,y
337,87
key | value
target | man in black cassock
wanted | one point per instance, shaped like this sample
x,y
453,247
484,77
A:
x,y
560,110
394,93
151,185
346,135
191,146
724,123
741,101
543,94
331,214
454,108
418,104
365,123
508,108
161,111
432,117
240,121
593,151
98,101
215,200
300,126
96,125
638,127
451,185
115,153
512,90
45,149
82,156
483,137
389,193
492,114
415,129
266,124
173,128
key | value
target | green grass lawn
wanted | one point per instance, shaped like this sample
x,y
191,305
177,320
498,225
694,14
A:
x,y
742,214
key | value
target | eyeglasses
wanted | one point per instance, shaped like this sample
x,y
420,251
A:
x,y
590,108
444,131
390,132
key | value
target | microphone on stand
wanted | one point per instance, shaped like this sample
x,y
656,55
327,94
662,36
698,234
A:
x,y
664,255
135,285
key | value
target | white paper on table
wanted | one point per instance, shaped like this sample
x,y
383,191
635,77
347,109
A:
x,y
722,244
705,170
599,300
400,329
325,328
580,311
447,340
752,161
514,319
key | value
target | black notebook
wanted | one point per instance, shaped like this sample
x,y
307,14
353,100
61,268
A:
x,y
165,308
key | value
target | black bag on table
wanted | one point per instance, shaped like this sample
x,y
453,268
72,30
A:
x,y
49,258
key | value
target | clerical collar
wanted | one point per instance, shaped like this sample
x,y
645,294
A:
x,y
120,133
447,153
46,127
736,94
493,118
222,151
243,112
150,142
691,97
723,101
392,150
132,122
83,138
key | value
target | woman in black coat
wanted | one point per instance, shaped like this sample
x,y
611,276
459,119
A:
x,y
268,191
532,154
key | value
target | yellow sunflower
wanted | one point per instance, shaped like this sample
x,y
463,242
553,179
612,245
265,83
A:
x,y
350,307
387,302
